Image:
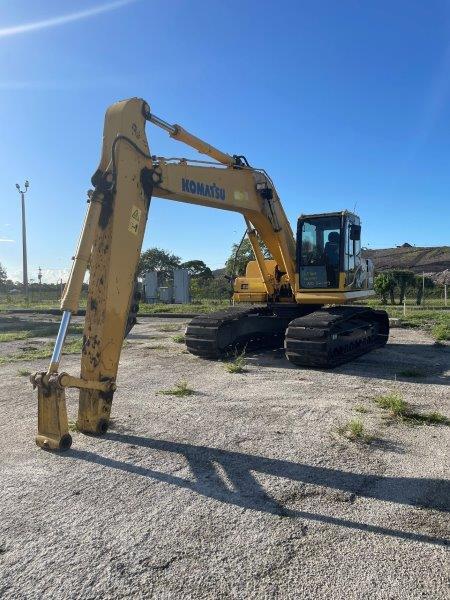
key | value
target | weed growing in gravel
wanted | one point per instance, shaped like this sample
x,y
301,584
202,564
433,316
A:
x,y
400,409
170,327
237,365
355,432
394,403
361,409
24,372
413,372
179,339
180,389
73,426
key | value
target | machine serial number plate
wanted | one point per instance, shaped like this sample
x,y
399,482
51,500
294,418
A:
x,y
133,225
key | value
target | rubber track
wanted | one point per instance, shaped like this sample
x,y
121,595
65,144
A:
x,y
221,333
333,336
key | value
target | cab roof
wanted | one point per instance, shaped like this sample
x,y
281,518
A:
x,y
342,213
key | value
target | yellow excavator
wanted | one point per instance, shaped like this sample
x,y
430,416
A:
x,y
300,298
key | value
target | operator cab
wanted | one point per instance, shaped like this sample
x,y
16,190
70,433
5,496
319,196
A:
x,y
329,250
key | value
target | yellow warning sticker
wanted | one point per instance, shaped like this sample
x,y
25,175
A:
x,y
135,218
240,196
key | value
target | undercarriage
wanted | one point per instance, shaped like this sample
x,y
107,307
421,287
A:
x,y
312,337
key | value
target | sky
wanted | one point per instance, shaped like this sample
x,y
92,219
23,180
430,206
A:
x,y
346,105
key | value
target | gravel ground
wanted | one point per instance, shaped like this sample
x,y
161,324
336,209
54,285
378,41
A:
x,y
244,489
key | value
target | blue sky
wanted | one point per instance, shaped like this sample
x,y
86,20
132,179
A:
x,y
344,103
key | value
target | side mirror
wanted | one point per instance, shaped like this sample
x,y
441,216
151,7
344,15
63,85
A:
x,y
355,232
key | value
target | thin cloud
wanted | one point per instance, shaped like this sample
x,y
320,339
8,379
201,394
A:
x,y
6,240
59,85
63,19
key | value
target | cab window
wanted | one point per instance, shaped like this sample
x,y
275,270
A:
x,y
319,249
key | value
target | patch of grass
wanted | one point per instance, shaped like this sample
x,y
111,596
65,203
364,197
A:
x,y
73,426
413,372
437,322
170,327
31,353
72,346
198,307
27,355
51,303
441,332
394,403
48,330
24,372
354,431
237,365
361,409
179,339
401,410
11,336
180,389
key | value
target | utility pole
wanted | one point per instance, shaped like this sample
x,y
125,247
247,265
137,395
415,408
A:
x,y
445,290
24,238
423,288
40,282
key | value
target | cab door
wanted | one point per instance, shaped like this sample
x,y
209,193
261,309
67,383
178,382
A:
x,y
354,275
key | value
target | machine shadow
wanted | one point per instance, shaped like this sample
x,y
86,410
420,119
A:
x,y
388,363
248,493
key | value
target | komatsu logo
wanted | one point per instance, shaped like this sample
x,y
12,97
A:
x,y
202,189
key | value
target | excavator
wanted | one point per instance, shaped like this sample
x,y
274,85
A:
x,y
302,298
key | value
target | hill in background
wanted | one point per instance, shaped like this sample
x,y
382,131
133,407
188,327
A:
x,y
433,261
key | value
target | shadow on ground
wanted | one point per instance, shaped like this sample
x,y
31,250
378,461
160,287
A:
x,y
248,493
432,361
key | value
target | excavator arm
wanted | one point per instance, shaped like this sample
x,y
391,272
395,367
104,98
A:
x,y
110,244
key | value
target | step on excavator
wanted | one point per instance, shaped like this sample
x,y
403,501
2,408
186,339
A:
x,y
301,298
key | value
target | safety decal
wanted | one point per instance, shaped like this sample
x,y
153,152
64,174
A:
x,y
135,218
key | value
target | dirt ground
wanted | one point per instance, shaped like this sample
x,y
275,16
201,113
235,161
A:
x,y
244,489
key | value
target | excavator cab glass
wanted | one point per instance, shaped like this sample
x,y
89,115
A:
x,y
319,248
328,245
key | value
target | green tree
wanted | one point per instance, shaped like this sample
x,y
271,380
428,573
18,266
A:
x,y
244,255
3,275
217,288
161,261
197,270
383,285
419,283
403,279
